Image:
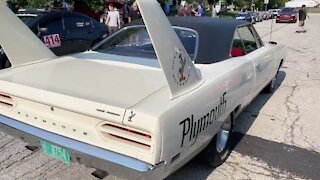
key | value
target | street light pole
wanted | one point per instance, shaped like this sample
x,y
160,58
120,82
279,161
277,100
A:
x,y
266,7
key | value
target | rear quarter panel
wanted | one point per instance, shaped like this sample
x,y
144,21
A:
x,y
189,122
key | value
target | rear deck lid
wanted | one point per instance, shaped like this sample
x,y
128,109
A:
x,y
120,84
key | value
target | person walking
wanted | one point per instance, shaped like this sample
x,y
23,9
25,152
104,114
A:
x,y
302,17
113,20
134,13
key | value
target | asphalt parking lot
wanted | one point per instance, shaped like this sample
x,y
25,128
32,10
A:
x,y
277,136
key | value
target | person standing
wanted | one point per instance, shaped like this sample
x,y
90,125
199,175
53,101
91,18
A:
x,y
200,11
214,12
9,4
210,4
218,8
302,17
126,10
134,13
184,9
113,20
103,16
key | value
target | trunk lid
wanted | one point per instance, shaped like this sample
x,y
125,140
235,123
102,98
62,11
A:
x,y
117,83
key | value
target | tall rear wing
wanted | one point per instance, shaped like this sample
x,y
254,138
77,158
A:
x,y
180,72
19,43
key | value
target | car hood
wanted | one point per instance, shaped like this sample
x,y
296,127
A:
x,y
114,82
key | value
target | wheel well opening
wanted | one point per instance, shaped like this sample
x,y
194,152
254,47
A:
x,y
235,112
281,62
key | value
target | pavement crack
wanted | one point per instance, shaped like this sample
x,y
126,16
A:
x,y
16,161
292,113
6,144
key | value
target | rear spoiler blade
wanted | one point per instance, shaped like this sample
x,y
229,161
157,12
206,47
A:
x,y
180,72
19,43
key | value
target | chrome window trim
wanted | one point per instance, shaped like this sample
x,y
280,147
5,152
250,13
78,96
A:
x,y
175,27
25,15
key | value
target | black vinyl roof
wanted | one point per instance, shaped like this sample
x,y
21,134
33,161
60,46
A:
x,y
215,35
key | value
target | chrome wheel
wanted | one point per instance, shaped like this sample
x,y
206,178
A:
x,y
223,135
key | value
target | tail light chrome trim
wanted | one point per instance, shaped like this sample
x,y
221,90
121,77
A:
x,y
126,135
5,100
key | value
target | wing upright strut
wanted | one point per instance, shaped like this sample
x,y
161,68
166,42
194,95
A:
x,y
20,44
180,72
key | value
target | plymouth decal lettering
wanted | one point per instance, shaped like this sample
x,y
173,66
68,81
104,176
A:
x,y
192,128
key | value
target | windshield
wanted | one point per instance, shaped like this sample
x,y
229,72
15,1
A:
x,y
28,20
135,41
287,10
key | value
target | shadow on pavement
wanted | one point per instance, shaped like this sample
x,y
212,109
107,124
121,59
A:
x,y
287,158
249,115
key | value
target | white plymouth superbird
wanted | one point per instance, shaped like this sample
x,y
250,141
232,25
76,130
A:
x,y
144,101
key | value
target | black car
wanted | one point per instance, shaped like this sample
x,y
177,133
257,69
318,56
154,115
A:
x,y
62,31
245,16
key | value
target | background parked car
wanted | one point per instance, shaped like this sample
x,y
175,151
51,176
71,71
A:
x,y
257,16
265,15
274,12
287,15
63,32
245,16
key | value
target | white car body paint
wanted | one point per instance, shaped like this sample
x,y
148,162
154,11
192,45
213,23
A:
x,y
81,97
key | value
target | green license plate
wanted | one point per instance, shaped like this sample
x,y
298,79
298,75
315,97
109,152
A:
x,y
56,152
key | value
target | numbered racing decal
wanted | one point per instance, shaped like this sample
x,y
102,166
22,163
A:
x,y
52,40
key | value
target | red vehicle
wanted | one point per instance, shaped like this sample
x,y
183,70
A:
x,y
287,15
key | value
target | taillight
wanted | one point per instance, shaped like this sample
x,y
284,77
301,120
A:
x,y
5,100
126,135
129,130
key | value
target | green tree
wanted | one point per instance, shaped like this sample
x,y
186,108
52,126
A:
x,y
96,5
33,3
39,3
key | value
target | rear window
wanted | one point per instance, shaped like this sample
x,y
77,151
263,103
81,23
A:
x,y
287,10
28,20
135,41
243,14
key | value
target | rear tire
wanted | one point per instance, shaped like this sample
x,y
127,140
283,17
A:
x,y
218,150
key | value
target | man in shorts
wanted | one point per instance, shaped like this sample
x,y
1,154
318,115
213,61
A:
x,y
302,17
113,19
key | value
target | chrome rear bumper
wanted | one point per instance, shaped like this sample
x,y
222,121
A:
x,y
88,155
